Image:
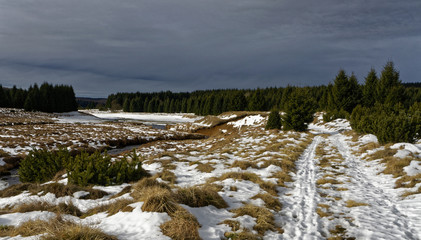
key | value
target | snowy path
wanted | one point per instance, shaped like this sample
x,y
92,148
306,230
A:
x,y
381,219
302,220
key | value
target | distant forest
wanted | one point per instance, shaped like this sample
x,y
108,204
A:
x,y
47,98
343,94
382,105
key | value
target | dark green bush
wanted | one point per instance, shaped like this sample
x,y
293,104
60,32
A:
x,y
299,112
42,165
389,124
99,169
84,169
274,121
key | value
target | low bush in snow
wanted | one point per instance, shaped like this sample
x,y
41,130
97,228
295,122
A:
x,y
83,169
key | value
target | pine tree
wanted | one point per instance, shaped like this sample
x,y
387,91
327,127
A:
x,y
370,89
299,111
388,80
126,105
346,92
274,120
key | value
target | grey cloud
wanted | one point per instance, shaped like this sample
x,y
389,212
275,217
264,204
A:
x,y
152,45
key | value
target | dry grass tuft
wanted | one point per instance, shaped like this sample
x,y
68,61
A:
x,y
282,177
203,167
248,176
200,197
183,225
234,225
264,218
408,181
409,193
112,208
270,201
339,233
157,199
61,208
14,190
326,180
352,203
56,228
245,234
325,212
168,176
61,190
382,154
244,164
125,190
395,166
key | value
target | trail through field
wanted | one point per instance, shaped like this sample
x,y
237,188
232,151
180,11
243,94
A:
x,y
303,222
379,216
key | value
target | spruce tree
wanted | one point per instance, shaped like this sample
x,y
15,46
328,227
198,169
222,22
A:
x,y
274,120
346,92
370,89
299,111
388,80
126,105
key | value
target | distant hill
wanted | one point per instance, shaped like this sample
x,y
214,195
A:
x,y
85,102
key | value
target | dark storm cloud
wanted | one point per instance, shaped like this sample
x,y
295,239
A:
x,y
105,46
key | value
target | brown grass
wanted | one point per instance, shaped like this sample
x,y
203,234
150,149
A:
x,y
395,166
125,190
200,197
168,176
322,213
61,190
157,199
409,193
111,208
270,201
183,225
203,167
264,218
408,181
56,228
382,154
325,180
245,234
243,164
352,203
282,177
248,176
61,208
234,225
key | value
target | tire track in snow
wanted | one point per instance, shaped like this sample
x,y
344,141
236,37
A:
x,y
381,219
301,219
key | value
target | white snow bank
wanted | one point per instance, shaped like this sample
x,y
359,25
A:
x,y
15,219
409,147
368,138
76,117
148,117
413,168
248,121
131,225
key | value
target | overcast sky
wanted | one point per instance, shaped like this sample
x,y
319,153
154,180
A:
x,y
108,46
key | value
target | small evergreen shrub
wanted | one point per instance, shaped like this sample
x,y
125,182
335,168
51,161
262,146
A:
x,y
42,165
389,124
99,169
84,169
299,112
274,121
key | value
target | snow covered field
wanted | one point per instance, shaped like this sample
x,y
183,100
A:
x,y
327,183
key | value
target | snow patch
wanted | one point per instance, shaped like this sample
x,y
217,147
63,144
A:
x,y
248,121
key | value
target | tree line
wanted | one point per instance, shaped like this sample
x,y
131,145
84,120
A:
x,y
382,105
46,98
